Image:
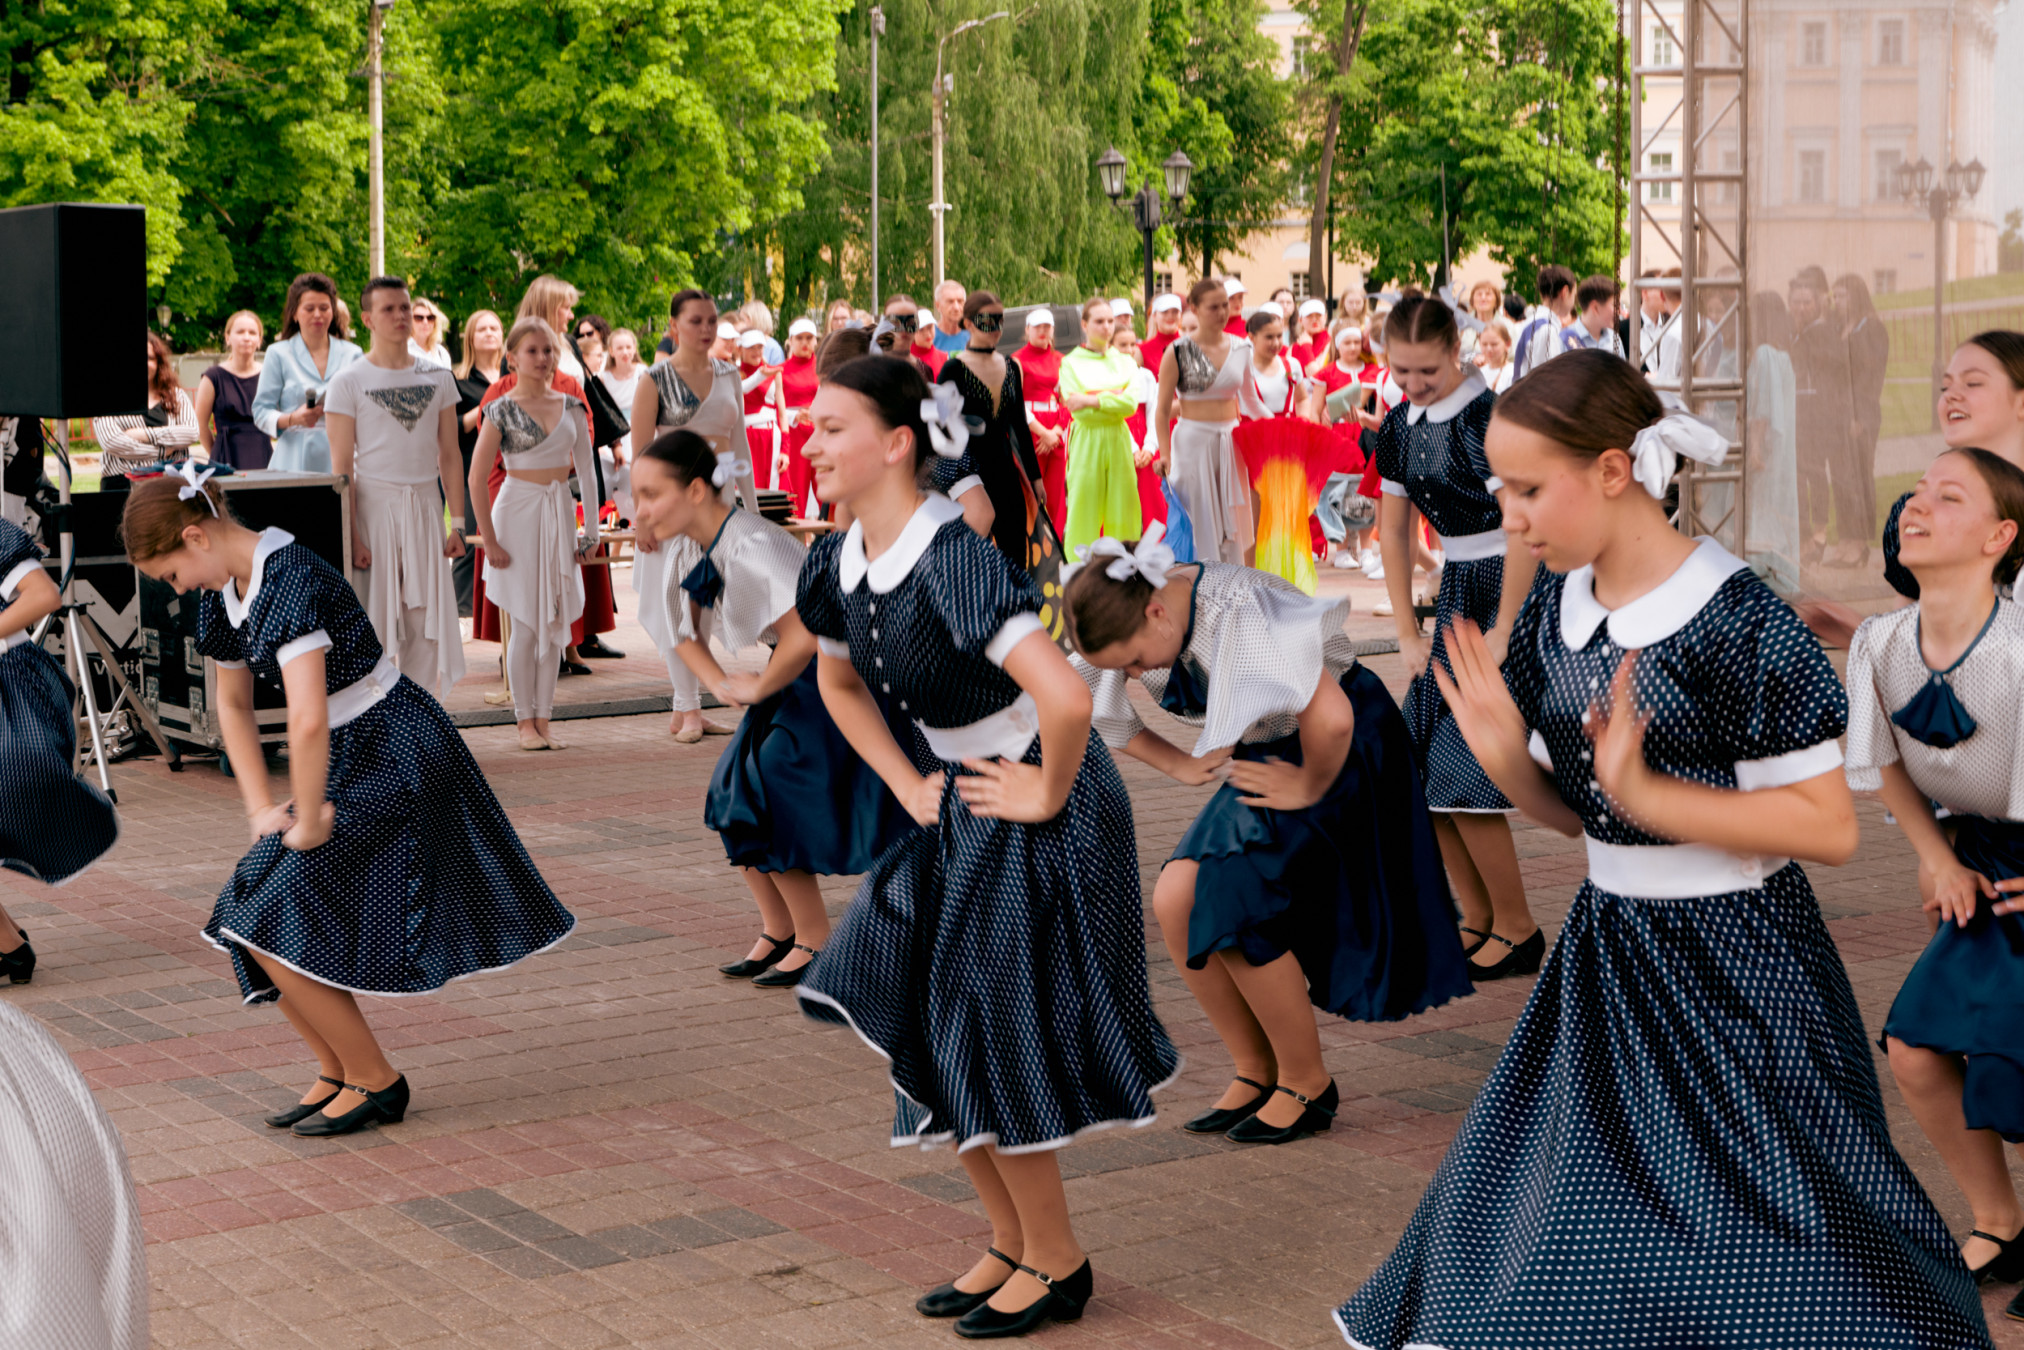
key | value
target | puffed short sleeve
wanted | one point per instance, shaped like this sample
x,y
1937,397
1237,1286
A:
x,y
762,569
982,606
1265,660
292,611
819,600
1388,444
20,556
1783,700
216,637
953,478
1115,720
1871,743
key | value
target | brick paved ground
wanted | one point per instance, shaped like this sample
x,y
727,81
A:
x,y
612,1145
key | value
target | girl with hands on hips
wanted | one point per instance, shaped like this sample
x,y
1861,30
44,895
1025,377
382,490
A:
x,y
1263,910
1934,717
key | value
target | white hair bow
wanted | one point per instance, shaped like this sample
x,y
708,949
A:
x,y
193,483
948,430
1149,558
729,466
1655,452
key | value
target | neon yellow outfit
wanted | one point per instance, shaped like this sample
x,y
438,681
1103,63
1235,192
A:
x,y
1102,480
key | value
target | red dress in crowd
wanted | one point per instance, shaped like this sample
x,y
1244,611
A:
x,y
1348,432
930,356
1153,350
797,386
599,615
1152,499
1287,459
1040,375
762,423
1235,327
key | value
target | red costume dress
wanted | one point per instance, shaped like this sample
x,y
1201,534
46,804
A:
x,y
1039,373
1153,350
1235,327
797,386
762,423
1152,496
930,356
1287,458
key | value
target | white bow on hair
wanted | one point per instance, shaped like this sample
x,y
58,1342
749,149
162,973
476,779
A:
x,y
1655,452
1149,558
948,429
729,466
193,483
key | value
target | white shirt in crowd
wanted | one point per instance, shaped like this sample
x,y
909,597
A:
x,y
397,414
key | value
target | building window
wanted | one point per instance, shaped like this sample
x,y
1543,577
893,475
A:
x,y
1812,44
1883,281
1297,283
1812,176
1664,53
1887,162
1303,57
1661,192
1890,42
1163,282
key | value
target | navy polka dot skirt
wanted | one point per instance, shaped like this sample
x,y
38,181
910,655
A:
x,y
1001,969
1682,1146
56,823
1454,780
422,881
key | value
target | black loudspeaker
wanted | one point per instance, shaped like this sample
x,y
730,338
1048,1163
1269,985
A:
x,y
73,310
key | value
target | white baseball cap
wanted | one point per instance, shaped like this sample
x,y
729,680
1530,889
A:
x,y
751,337
1233,285
1162,303
727,332
801,326
1120,307
1269,308
1308,307
1040,318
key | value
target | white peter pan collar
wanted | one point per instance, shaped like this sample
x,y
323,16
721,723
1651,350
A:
x,y
1444,410
1654,616
896,564
236,609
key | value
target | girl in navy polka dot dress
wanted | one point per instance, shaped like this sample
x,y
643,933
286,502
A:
x,y
1312,876
1683,1143
392,869
1429,455
996,957
57,824
789,797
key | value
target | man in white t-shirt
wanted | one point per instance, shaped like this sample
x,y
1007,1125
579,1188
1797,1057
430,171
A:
x,y
393,432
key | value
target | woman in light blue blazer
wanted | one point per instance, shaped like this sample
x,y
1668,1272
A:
x,y
312,349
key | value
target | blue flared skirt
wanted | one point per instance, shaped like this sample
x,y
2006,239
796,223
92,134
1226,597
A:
x,y
56,823
1000,968
1683,1145
1966,994
1453,779
789,794
1353,886
422,881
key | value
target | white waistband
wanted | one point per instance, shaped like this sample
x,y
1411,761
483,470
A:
x,y
763,418
13,640
350,702
1474,547
1005,734
1041,405
1674,871
1204,423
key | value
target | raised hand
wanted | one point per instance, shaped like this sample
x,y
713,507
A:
x,y
1616,727
1476,695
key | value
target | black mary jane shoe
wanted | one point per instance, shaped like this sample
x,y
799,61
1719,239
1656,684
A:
x,y
597,651
19,965
2006,1266
1524,958
1064,1301
570,667
281,1120
387,1105
1316,1115
1471,948
787,979
1219,1119
945,1300
747,968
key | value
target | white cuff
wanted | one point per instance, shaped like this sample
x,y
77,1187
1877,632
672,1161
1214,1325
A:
x,y
1536,747
1015,631
831,647
1754,775
228,665
1392,489
1864,778
962,486
308,642
9,588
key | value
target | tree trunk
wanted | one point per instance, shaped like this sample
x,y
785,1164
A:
x,y
1353,14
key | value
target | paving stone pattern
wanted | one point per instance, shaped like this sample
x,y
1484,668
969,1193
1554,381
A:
x,y
612,1145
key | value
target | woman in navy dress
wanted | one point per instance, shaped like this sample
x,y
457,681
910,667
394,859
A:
x,y
789,797
392,869
995,958
1683,1143
1933,717
57,824
1312,875
1429,457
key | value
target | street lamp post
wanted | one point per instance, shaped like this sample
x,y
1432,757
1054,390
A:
x,y
878,27
1958,184
1145,203
376,187
943,85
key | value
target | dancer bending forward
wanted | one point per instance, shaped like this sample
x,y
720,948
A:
x,y
392,869
1312,875
995,958
1683,1143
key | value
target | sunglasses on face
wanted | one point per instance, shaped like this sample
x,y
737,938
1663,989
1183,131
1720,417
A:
x,y
905,323
988,321
424,317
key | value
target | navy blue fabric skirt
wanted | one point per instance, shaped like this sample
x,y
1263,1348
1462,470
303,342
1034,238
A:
x,y
1001,969
1966,994
1454,780
789,794
56,823
1353,886
1683,1145
422,881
